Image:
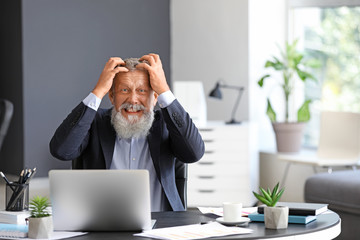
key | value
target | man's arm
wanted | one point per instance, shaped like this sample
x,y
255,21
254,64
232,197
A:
x,y
112,67
185,139
72,136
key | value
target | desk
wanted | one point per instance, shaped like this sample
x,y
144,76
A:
x,y
326,226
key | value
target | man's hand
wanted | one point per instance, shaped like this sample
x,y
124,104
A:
x,y
156,72
107,76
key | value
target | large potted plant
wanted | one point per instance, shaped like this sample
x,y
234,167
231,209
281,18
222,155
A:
x,y
292,66
40,220
275,217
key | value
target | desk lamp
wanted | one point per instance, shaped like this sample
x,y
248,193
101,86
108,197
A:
x,y
216,93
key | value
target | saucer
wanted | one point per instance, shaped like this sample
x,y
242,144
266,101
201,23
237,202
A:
x,y
241,221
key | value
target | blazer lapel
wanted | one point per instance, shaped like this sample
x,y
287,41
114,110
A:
x,y
154,140
107,138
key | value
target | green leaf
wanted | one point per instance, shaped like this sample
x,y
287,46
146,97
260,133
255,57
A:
x,y
266,195
276,64
270,112
278,196
274,192
262,199
304,75
261,81
304,112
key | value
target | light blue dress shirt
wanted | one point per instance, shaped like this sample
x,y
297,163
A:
x,y
134,153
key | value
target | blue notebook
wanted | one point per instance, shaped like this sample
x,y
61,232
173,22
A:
x,y
13,230
257,217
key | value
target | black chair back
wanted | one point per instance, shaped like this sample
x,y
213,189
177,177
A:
x,y
181,176
6,113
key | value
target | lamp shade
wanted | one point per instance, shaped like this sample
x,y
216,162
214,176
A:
x,y
216,93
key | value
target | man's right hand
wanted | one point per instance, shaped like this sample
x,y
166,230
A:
x,y
107,76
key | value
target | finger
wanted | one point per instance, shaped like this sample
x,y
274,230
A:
x,y
155,56
120,69
114,62
144,66
148,58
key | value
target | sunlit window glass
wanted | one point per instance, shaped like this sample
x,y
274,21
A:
x,y
332,35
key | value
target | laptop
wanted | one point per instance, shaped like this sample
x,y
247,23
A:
x,y
100,200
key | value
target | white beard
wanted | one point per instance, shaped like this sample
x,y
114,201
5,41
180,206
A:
x,y
133,127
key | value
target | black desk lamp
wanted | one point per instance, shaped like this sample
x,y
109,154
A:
x,y
216,93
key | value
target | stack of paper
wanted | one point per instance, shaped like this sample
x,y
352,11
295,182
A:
x,y
13,231
14,217
195,231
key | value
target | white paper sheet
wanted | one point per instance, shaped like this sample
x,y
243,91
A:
x,y
219,210
57,235
194,231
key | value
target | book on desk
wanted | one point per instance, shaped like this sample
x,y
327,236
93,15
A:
x,y
258,217
14,217
300,209
13,230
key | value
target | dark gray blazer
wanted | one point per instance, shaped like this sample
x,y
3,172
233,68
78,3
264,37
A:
x,y
87,135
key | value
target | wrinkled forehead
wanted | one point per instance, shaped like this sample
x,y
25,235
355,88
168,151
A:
x,y
133,78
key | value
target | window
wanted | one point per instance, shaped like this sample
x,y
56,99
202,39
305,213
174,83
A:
x,y
332,35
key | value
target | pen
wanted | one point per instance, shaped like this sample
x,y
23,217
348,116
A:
x,y
31,175
6,180
27,175
21,176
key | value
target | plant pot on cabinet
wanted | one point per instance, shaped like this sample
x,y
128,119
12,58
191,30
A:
x,y
40,227
276,217
288,136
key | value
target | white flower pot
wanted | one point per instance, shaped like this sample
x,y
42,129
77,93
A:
x,y
40,227
276,217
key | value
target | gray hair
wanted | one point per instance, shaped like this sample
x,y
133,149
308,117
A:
x,y
131,63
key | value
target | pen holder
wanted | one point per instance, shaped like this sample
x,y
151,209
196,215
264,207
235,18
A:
x,y
17,196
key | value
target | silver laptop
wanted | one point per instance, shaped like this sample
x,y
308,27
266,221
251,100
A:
x,y
100,200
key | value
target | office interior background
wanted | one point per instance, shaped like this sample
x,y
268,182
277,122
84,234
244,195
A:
x,y
52,53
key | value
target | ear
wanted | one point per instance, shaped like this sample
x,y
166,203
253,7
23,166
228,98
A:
x,y
111,96
155,98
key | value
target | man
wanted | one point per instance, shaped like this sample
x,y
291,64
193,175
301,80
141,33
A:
x,y
131,135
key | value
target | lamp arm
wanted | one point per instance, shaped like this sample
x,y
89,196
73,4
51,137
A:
x,y
241,89
231,87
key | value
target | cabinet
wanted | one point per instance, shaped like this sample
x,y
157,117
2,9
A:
x,y
228,171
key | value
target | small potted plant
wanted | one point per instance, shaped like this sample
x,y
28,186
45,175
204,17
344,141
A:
x,y
275,217
292,65
40,220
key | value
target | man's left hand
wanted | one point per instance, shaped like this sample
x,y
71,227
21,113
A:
x,y
156,72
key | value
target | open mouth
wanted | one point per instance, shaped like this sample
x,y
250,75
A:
x,y
132,111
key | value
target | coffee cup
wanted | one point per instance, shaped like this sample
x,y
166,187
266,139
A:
x,y
232,211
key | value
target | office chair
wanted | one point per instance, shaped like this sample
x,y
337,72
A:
x,y
6,113
181,175
339,144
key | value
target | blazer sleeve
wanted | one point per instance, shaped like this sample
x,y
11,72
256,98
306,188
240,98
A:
x,y
72,136
185,139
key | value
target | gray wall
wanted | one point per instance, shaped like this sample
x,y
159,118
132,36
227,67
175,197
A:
x,y
65,46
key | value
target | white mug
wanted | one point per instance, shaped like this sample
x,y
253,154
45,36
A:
x,y
232,211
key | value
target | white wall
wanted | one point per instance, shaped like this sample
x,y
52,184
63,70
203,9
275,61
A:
x,y
229,40
267,30
209,41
